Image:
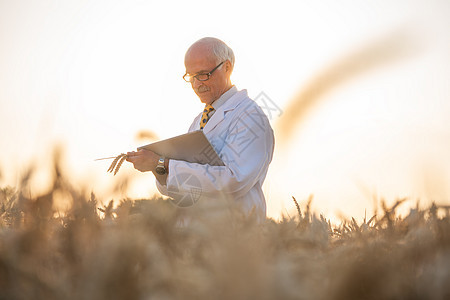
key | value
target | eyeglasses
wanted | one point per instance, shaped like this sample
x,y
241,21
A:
x,y
200,76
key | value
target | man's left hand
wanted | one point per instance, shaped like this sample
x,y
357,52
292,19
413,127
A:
x,y
143,160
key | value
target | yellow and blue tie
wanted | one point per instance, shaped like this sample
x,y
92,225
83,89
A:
x,y
205,117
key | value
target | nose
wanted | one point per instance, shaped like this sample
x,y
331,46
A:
x,y
196,83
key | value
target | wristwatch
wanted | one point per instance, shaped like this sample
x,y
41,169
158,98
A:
x,y
160,168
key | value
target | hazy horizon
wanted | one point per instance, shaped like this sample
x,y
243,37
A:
x,y
362,87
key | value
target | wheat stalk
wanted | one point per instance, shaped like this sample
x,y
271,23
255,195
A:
x,y
298,207
121,160
117,163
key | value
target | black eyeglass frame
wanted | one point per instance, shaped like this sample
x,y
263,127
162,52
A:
x,y
190,78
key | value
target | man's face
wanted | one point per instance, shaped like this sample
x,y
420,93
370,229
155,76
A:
x,y
199,60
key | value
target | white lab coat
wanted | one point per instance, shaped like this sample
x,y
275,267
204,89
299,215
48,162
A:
x,y
241,134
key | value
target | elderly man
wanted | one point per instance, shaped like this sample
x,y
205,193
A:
x,y
234,124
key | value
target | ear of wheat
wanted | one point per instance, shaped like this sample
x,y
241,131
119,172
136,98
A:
x,y
117,163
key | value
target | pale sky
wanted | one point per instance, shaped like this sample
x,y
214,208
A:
x,y
91,74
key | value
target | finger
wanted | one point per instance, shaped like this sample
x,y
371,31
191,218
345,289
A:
x,y
130,158
131,155
144,151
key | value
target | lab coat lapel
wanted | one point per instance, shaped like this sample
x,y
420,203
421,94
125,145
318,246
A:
x,y
229,105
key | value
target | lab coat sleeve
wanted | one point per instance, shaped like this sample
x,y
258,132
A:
x,y
247,152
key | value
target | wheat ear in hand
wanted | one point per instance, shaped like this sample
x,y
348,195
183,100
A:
x,y
117,163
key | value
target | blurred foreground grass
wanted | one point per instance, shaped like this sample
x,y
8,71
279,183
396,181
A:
x,y
137,250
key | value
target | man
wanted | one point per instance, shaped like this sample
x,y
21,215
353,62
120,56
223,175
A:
x,y
234,124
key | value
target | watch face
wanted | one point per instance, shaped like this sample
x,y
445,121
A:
x,y
160,170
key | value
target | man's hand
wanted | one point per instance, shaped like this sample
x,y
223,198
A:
x,y
143,160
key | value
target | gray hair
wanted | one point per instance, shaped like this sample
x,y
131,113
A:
x,y
219,49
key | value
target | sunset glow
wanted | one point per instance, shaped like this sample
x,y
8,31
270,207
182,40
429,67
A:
x,y
362,89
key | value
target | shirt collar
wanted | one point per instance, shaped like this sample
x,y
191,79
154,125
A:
x,y
225,96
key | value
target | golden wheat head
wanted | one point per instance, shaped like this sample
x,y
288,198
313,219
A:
x,y
117,163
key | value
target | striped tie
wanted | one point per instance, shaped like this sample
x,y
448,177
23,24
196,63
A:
x,y
205,117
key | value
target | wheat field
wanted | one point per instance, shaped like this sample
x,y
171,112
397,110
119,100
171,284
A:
x,y
136,249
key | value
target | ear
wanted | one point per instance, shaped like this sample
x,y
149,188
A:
x,y
228,67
